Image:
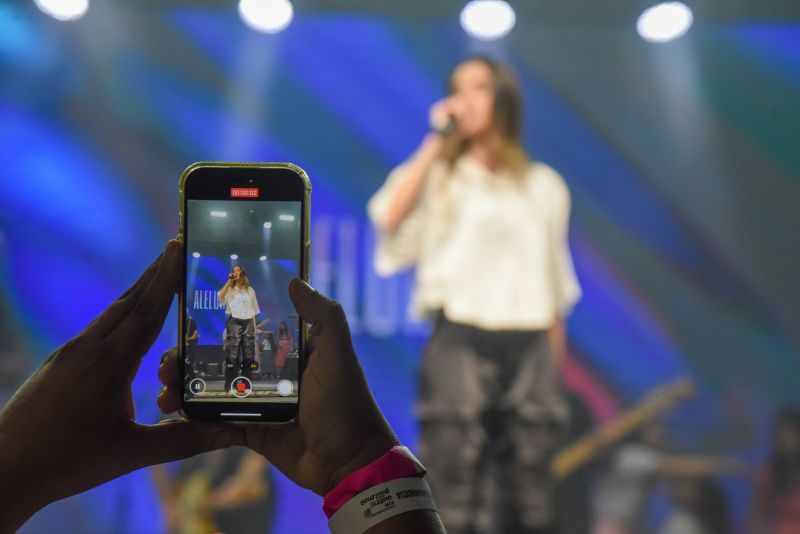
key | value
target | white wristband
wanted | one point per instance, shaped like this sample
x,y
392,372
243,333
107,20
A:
x,y
379,503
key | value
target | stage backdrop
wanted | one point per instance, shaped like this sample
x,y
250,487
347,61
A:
x,y
683,161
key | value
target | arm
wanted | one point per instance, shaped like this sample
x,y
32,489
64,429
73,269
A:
x,y
557,334
256,309
224,291
688,466
440,114
406,196
566,285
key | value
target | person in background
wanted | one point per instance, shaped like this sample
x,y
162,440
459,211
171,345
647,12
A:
x,y
265,351
192,335
776,508
623,489
224,491
93,436
486,228
191,338
284,347
699,507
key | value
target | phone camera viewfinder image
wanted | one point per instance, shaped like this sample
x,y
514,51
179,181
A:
x,y
242,332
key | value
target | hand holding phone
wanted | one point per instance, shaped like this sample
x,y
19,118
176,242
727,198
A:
x,y
339,428
71,425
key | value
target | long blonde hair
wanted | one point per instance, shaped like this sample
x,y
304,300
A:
x,y
506,119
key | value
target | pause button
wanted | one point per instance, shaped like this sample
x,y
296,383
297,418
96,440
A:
x,y
197,386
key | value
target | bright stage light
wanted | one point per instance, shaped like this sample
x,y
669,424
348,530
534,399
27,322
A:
x,y
267,16
234,256
263,258
219,213
63,9
195,254
664,22
487,19
267,225
288,218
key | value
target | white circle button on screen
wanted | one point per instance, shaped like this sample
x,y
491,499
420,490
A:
x,y
197,386
285,387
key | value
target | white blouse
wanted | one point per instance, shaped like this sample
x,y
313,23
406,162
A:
x,y
490,249
241,303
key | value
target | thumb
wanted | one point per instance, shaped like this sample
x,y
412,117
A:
x,y
176,439
317,309
312,305
330,328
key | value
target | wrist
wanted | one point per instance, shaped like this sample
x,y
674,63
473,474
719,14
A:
x,y
386,507
355,496
21,499
365,455
431,147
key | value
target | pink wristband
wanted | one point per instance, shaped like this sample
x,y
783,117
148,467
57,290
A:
x,y
398,462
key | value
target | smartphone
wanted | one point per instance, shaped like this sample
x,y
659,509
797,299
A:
x,y
241,342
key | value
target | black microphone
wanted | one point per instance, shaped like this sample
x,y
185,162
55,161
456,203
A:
x,y
448,128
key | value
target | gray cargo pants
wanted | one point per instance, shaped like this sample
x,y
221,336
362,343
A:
x,y
491,413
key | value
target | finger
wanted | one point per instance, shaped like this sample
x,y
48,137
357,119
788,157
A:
x,y
169,399
175,439
312,305
168,373
139,329
105,323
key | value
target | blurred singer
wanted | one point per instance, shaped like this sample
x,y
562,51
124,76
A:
x,y
486,229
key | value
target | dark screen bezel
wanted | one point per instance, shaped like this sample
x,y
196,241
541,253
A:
x,y
213,181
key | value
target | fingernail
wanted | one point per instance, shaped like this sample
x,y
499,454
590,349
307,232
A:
x,y
305,288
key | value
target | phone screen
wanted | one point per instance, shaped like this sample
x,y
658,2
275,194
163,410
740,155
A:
x,y
242,335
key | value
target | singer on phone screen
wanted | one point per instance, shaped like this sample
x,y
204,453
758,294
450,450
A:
x,y
486,229
241,307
